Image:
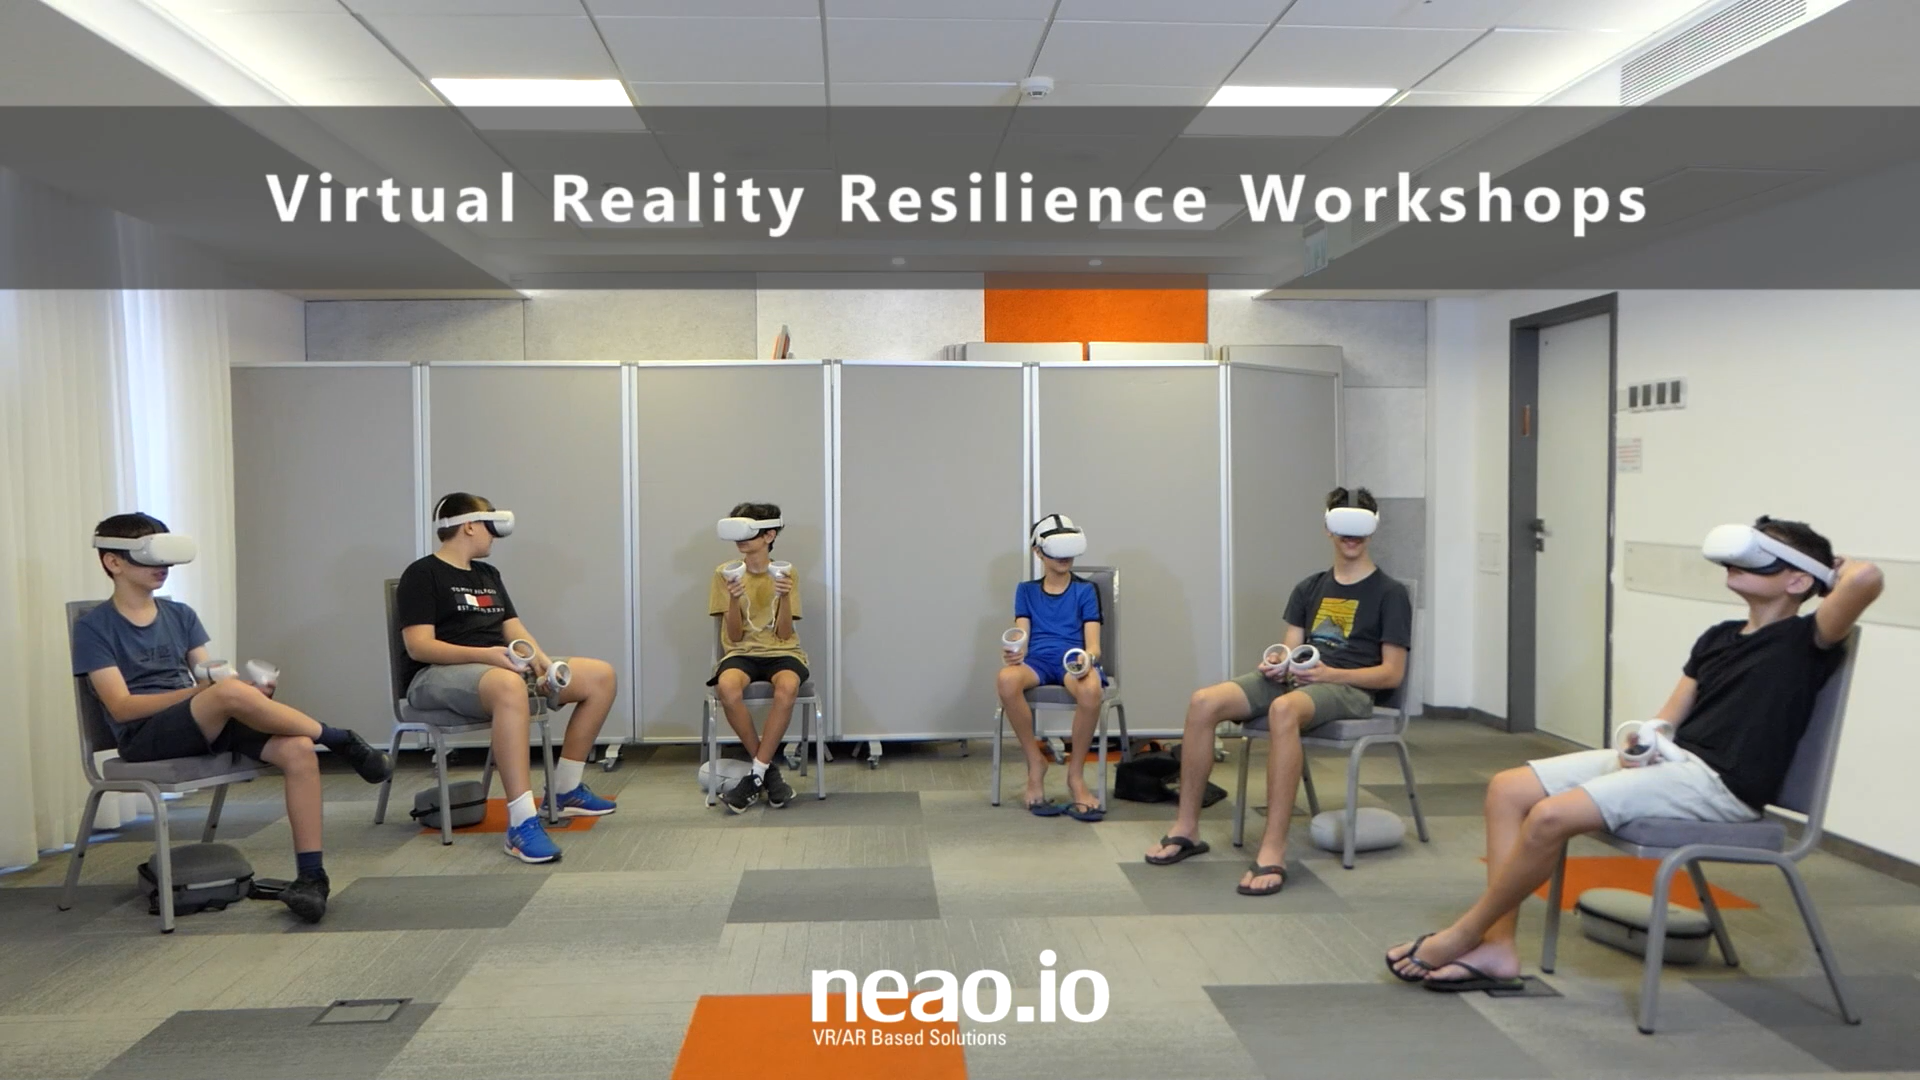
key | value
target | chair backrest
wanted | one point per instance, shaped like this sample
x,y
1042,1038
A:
x,y
398,663
96,732
1106,582
1810,777
1401,700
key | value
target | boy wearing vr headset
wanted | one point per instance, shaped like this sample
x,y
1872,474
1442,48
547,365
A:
x,y
1060,615
1743,701
1359,623
458,625
757,601
140,652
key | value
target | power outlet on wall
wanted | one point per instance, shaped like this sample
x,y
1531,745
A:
x,y
1654,396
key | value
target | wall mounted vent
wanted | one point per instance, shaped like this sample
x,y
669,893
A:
x,y
1702,45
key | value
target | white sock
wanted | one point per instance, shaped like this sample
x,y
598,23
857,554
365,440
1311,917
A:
x,y
520,809
566,775
759,768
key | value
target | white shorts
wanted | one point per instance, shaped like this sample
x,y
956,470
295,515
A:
x,y
1670,789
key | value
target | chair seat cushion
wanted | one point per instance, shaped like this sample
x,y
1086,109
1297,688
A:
x,y
1767,835
763,691
1333,731
1060,695
441,718
179,770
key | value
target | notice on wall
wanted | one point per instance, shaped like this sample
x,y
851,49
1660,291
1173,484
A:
x,y
1626,455
1490,553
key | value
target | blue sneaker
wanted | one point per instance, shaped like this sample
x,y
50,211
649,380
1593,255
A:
x,y
582,802
528,842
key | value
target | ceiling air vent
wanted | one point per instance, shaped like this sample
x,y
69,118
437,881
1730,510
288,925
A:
x,y
1702,45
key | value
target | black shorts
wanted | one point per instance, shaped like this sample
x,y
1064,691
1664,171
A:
x,y
171,733
761,668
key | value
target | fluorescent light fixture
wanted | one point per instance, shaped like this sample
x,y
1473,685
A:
x,y
1303,96
522,93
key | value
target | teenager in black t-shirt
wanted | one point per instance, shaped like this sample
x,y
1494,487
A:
x,y
1742,704
1361,623
457,622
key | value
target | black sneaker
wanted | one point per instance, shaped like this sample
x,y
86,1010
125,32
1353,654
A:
x,y
779,792
743,793
372,765
307,896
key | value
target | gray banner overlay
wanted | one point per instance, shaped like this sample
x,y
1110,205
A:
x,y
1398,198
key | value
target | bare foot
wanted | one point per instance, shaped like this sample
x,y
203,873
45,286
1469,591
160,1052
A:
x,y
1077,792
1496,958
1267,857
1166,851
1438,950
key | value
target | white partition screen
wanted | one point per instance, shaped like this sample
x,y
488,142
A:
x,y
933,494
1132,454
710,435
1285,460
547,443
325,508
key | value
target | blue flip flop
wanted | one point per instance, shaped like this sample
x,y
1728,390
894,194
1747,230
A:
x,y
1086,812
1046,808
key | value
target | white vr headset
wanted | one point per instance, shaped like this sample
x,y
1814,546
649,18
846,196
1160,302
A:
x,y
1058,538
498,522
158,549
1352,521
1748,548
737,529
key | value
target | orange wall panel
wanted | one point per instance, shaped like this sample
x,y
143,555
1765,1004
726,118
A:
x,y
1083,315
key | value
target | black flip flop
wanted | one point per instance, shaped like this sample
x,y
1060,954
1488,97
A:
x,y
1046,808
1187,850
1476,980
1264,871
1087,812
1424,967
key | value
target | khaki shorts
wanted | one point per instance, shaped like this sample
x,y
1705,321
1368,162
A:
x,y
453,688
1331,701
1670,789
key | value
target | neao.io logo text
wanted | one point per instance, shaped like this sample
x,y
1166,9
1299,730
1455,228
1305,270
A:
x,y
986,997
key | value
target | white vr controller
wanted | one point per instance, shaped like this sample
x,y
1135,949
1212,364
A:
x,y
498,522
1077,662
1058,538
1352,521
1013,641
737,529
1647,742
736,570
1280,660
257,672
780,569
559,674
1748,548
157,549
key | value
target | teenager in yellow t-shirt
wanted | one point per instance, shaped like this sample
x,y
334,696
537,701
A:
x,y
758,600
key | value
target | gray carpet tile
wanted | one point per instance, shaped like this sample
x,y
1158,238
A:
x,y
1296,1032
264,1044
450,902
863,895
1801,1011
1207,887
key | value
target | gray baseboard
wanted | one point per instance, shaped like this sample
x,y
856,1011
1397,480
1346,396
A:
x,y
1460,712
1872,858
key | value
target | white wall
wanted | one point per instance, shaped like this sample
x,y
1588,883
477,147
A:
x,y
265,328
1800,407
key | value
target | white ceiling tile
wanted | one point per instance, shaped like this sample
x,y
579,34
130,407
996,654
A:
x,y
729,93
323,93
1418,98
257,7
467,7
497,47
673,50
931,50
1638,16
1430,14
298,50
1318,123
1145,54
1188,11
939,9
1348,56
746,8
1076,94
981,94
1527,61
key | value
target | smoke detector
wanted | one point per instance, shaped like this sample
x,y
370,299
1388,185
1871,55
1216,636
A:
x,y
1035,87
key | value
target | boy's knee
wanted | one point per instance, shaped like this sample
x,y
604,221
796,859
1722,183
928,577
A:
x,y
598,675
786,687
234,695
1509,785
729,691
1214,704
1289,712
1087,691
1553,820
295,754
1010,680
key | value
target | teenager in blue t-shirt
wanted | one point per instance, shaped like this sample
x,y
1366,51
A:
x,y
1059,612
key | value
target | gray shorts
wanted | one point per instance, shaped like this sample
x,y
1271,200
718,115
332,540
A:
x,y
1331,701
453,688
1670,789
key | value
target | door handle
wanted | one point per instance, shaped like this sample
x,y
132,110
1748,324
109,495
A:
x,y
1540,534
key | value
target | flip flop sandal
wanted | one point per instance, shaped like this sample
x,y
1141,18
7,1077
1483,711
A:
x,y
1476,980
1046,808
1086,812
1187,849
1264,871
1425,968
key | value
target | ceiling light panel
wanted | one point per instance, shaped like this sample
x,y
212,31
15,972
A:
x,y
1348,56
498,47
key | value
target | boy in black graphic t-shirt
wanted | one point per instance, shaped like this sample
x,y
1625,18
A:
x,y
1360,622
458,622
1736,717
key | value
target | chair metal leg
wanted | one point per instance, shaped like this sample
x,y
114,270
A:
x,y
712,748
486,775
819,752
546,750
1352,813
999,737
1241,796
1413,793
163,861
1656,943
1126,743
806,728
1550,938
80,847
1306,778
213,814
1712,911
1821,947
446,800
1101,760
386,786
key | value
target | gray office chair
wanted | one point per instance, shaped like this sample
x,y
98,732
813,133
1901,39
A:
x,y
434,725
1680,843
806,702
1387,726
1044,699
154,779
